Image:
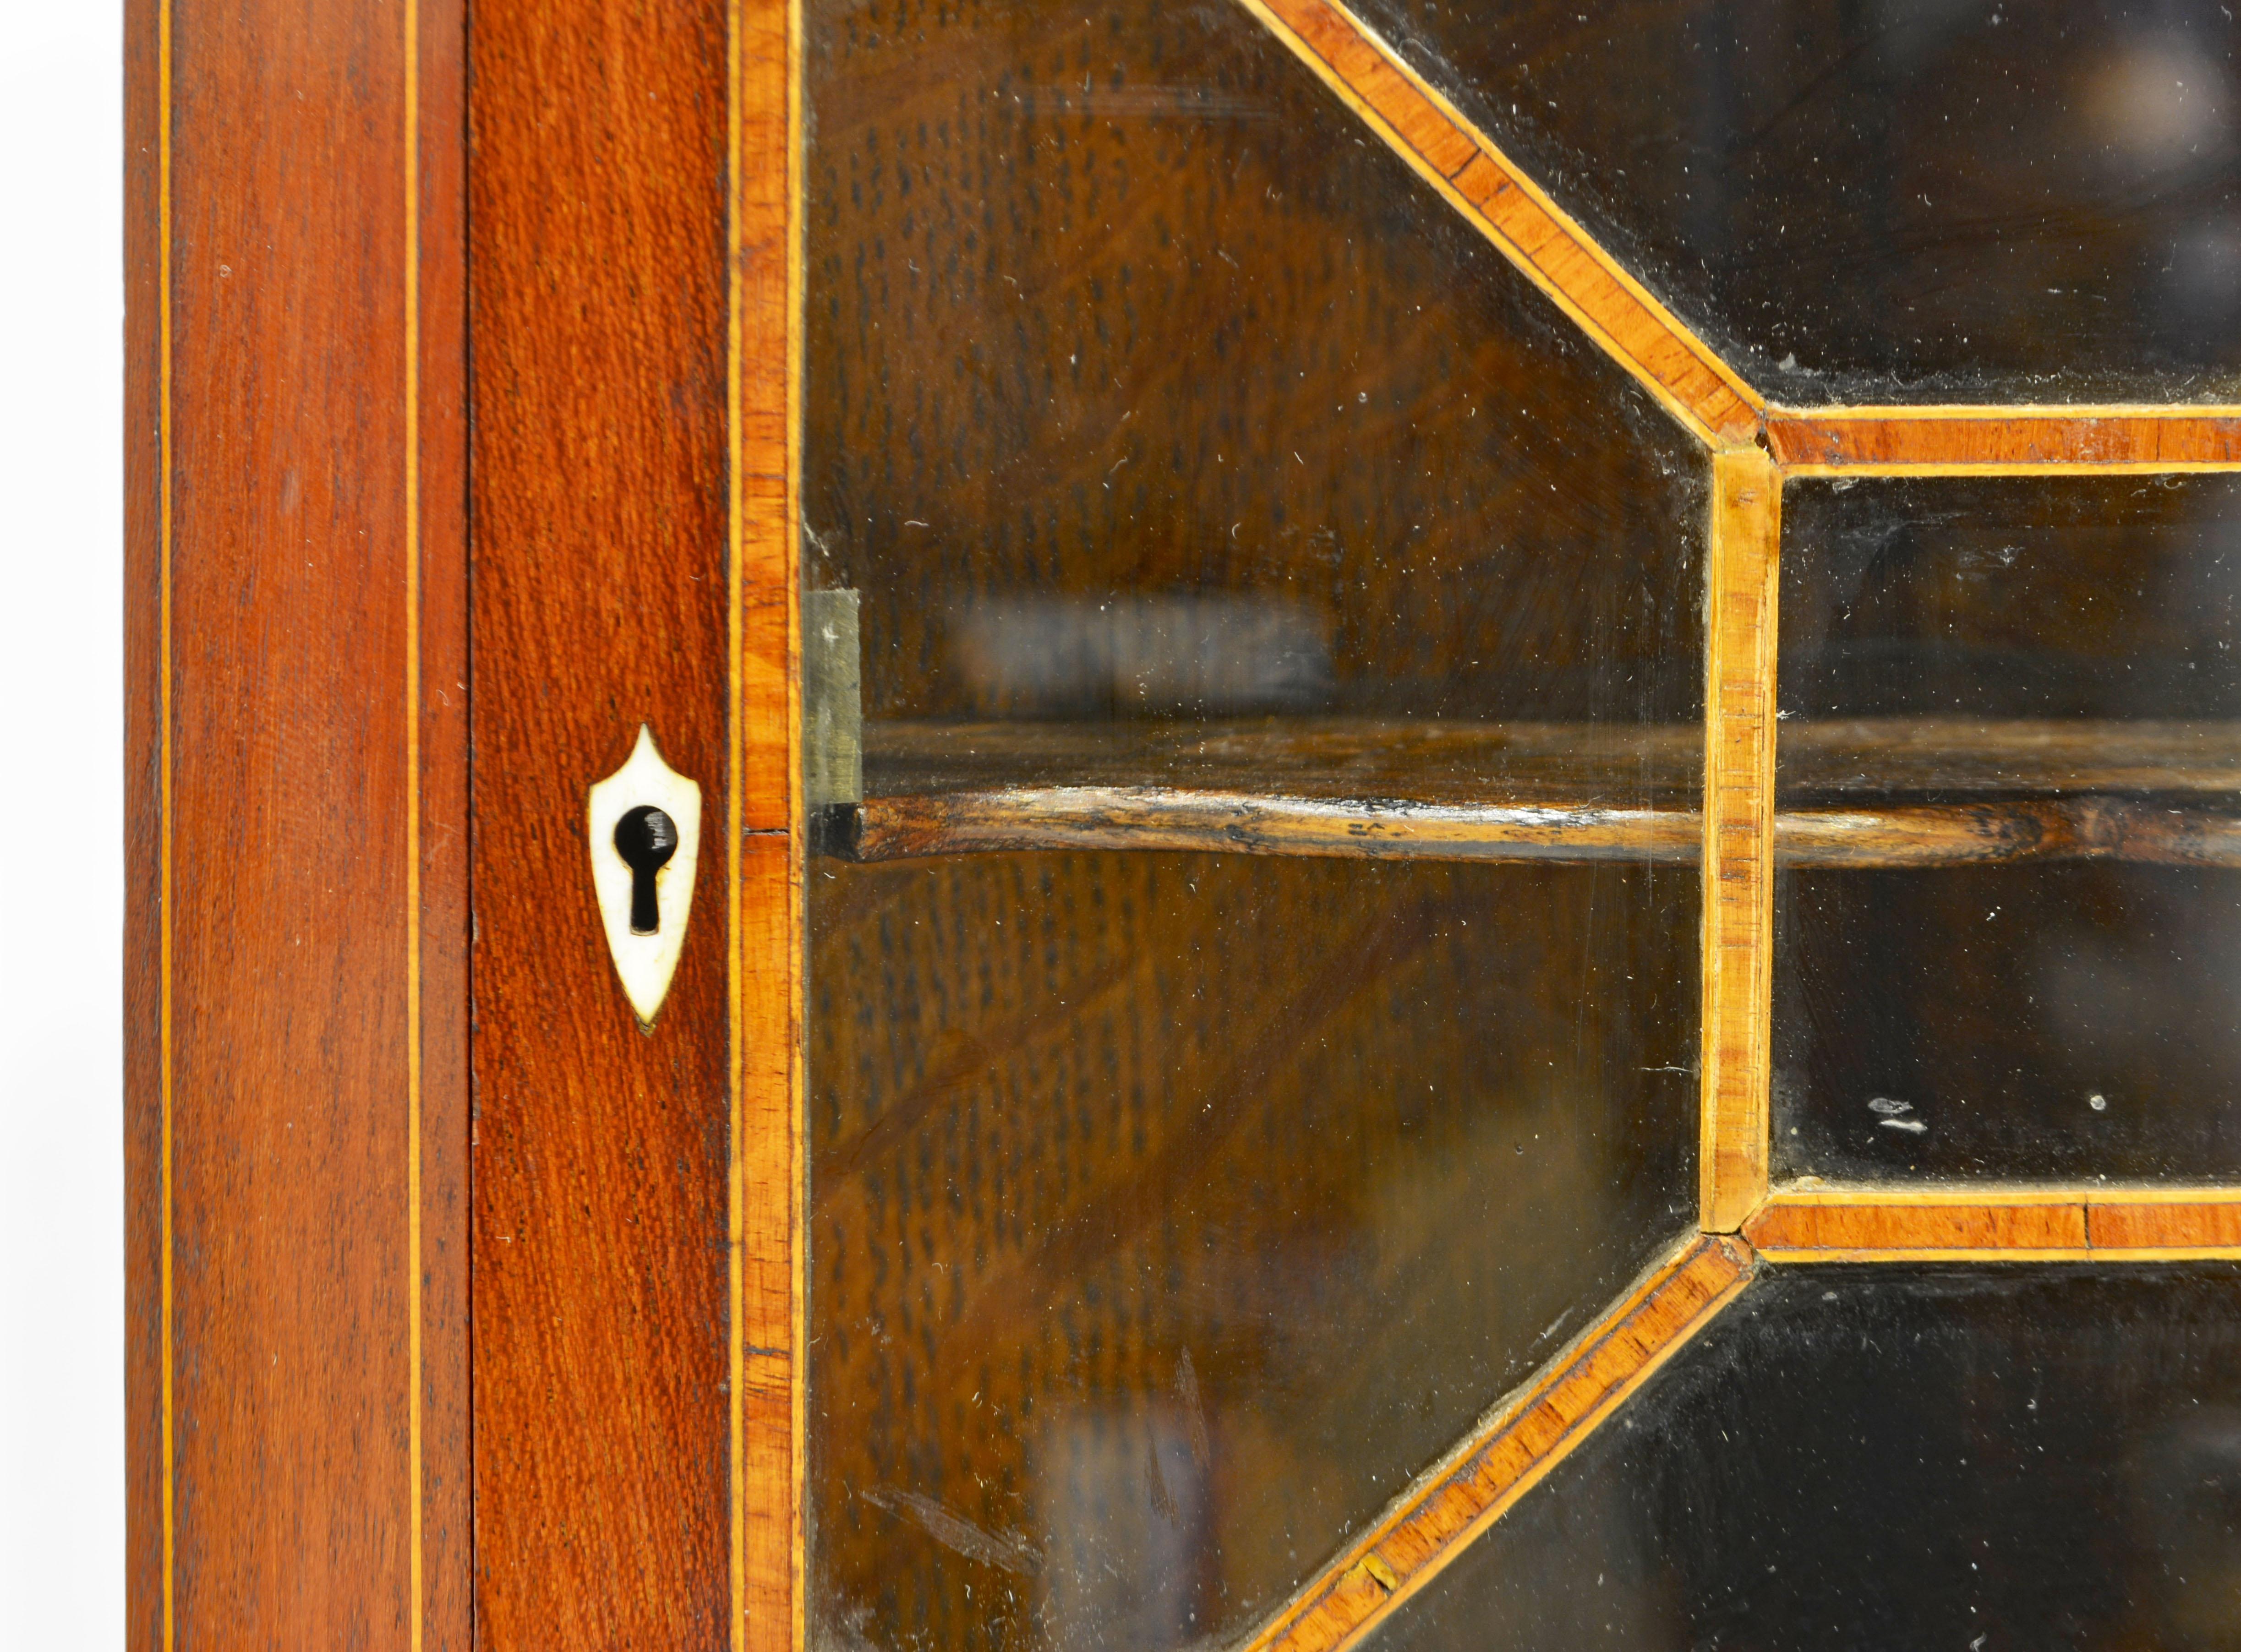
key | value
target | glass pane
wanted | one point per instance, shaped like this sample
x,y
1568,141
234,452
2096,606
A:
x,y
1902,201
1172,1212
1893,1457
1139,387
2030,687
1177,443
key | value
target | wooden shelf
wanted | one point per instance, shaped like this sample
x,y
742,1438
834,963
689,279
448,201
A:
x,y
1883,756
2026,792
1084,816
1145,818
1422,760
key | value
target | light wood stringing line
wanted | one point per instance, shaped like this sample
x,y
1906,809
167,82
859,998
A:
x,y
2027,1223
796,856
767,1259
2005,441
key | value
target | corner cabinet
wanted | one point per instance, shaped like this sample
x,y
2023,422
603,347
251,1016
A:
x,y
1236,825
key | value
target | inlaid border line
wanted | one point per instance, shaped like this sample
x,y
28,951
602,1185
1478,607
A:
x,y
1512,1449
766,1162
1471,171
416,1562
1884,1222
1739,837
797,821
735,985
2020,440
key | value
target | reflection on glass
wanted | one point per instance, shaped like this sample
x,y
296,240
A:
x,y
1878,200
1893,1457
1170,1212
2054,658
1139,387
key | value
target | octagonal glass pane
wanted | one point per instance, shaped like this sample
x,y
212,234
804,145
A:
x,y
1180,449
1889,200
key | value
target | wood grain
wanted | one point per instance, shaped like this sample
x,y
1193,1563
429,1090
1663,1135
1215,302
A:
x,y
768,1381
1470,171
601,298
1516,1446
1960,441
1159,817
2006,833
1156,818
2188,1221
297,919
1802,1227
1887,1223
1738,834
438,481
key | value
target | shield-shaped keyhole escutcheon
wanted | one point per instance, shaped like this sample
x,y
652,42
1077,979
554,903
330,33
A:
x,y
645,831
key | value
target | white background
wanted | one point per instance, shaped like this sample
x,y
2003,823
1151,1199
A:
x,y
62,1173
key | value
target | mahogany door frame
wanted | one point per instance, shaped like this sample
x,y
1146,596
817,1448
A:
x,y
462,354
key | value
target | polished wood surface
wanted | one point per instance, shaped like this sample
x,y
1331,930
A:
x,y
2182,1221
1432,789
1827,1229
1738,834
2001,832
767,1246
1937,441
438,392
1894,1223
1617,310
604,1437
298,920
1517,1448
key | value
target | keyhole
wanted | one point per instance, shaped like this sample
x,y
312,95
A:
x,y
645,837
